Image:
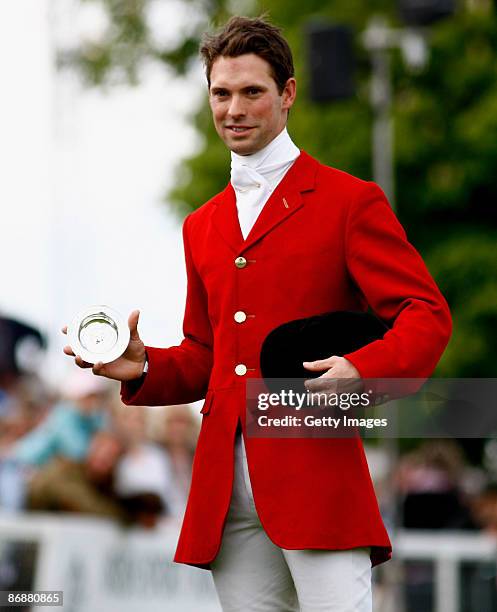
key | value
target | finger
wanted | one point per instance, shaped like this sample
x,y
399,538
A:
x,y
133,325
330,373
350,385
321,385
64,329
82,364
98,369
320,364
68,351
310,385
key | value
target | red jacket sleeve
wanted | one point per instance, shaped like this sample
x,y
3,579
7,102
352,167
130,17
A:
x,y
179,374
395,282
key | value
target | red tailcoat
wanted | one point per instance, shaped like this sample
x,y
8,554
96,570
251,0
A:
x,y
324,241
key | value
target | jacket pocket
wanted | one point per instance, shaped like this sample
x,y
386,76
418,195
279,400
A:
x,y
207,403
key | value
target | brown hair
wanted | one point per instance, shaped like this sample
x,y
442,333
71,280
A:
x,y
250,35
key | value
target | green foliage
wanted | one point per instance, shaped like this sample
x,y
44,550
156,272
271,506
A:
x,y
127,45
465,265
447,126
446,139
122,49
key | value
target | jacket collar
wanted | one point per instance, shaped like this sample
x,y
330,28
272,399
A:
x,y
285,200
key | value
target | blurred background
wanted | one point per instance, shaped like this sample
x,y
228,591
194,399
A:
x,y
106,143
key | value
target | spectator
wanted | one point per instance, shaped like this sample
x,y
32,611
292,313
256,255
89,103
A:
x,y
484,509
66,485
25,405
179,437
143,474
69,428
430,479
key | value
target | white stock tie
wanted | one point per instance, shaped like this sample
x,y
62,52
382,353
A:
x,y
254,177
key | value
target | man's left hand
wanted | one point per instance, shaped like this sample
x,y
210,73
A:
x,y
335,367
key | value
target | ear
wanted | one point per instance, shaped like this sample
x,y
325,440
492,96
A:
x,y
289,93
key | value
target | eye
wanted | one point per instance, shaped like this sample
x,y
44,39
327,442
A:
x,y
220,93
253,91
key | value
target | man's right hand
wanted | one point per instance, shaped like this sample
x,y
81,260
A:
x,y
127,367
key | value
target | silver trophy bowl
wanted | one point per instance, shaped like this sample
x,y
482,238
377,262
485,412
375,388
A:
x,y
98,333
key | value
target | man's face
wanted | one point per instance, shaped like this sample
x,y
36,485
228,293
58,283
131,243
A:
x,y
104,453
247,108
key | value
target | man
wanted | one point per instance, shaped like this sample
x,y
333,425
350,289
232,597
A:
x,y
282,523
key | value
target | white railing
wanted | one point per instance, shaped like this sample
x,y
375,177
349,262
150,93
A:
x,y
447,550
104,568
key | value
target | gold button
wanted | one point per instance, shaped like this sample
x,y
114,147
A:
x,y
241,369
240,262
240,316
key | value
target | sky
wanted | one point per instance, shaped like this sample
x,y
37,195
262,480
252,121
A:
x,y
83,218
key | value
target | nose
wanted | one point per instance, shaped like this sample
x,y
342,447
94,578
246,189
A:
x,y
236,108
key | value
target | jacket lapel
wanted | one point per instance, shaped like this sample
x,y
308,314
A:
x,y
285,200
225,219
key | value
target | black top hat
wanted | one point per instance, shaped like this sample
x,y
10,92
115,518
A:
x,y
13,334
318,337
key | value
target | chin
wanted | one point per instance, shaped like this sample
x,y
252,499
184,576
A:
x,y
243,148
243,151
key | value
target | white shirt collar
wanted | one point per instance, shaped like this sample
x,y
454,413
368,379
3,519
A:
x,y
279,151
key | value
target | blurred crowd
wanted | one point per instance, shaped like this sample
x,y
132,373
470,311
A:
x,y
78,449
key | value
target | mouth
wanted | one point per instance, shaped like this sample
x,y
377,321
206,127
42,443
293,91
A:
x,y
239,129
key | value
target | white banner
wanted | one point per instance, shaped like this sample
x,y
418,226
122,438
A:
x,y
101,567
